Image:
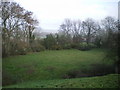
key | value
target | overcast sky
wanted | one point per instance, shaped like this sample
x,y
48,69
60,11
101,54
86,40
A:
x,y
51,13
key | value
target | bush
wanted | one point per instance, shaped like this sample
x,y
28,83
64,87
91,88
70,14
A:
x,y
91,45
83,46
22,51
37,48
74,45
19,49
56,47
67,46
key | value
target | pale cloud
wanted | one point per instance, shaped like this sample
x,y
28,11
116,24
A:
x,y
51,13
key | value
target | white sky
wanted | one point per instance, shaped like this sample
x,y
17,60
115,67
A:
x,y
51,13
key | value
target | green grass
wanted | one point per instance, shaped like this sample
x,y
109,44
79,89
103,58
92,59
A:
x,y
109,81
50,65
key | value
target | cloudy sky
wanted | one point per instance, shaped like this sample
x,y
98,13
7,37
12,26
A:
x,y
51,13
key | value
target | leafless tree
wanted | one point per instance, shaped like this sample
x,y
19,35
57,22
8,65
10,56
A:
x,y
77,31
65,30
17,25
89,28
66,26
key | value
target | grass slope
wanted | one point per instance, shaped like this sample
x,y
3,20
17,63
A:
x,y
49,65
108,81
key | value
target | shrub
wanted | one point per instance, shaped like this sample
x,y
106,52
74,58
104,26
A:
x,y
91,45
83,46
67,46
37,48
56,47
19,48
22,51
74,45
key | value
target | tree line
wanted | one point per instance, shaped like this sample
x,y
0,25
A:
x,y
76,33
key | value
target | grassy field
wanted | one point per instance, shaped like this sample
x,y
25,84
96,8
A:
x,y
50,65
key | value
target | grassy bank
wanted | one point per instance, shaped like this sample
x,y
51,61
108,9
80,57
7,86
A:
x,y
108,81
49,65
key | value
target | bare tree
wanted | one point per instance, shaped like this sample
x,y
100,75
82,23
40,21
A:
x,y
17,24
89,29
65,30
66,26
77,31
109,27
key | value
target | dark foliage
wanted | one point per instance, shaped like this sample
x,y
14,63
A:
x,y
85,47
95,70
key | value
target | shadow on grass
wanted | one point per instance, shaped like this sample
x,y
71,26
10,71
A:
x,y
94,70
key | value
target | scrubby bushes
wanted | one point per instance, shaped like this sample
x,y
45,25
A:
x,y
16,48
21,48
91,45
67,46
62,41
49,41
37,47
84,46
74,45
56,47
